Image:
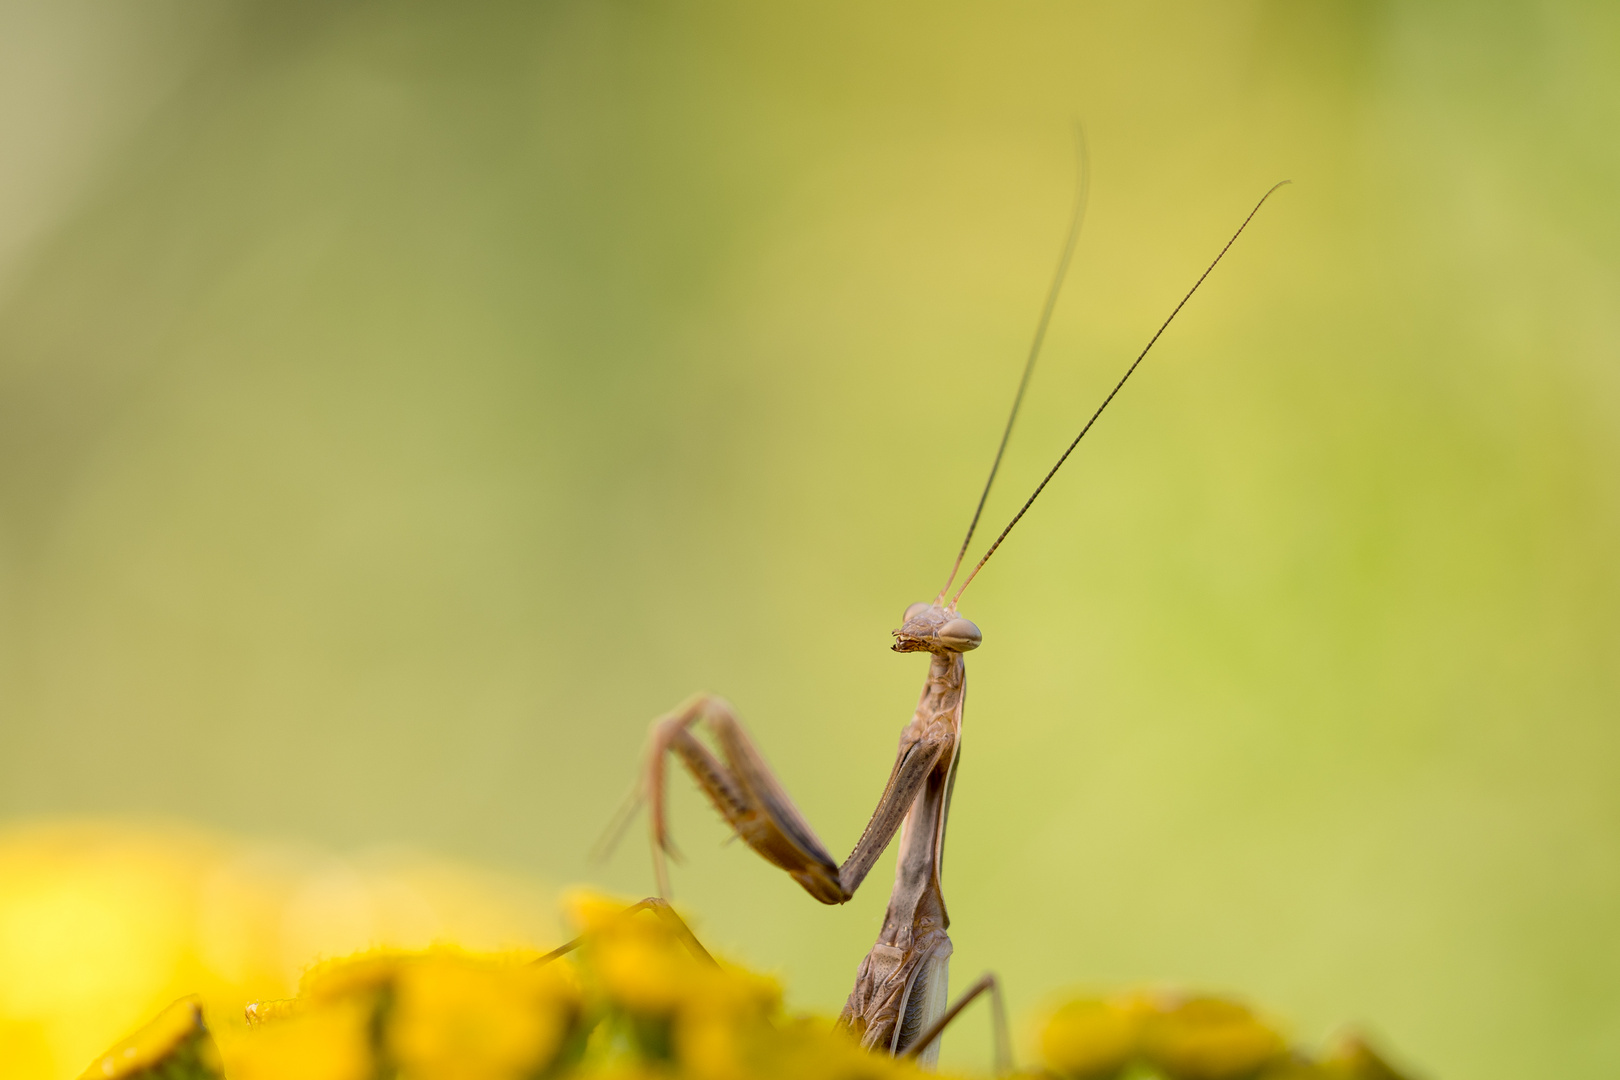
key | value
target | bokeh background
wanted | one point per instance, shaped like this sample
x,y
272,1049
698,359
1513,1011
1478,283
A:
x,y
403,403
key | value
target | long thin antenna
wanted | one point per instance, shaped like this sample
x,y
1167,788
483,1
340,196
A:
x,y
1081,192
1128,372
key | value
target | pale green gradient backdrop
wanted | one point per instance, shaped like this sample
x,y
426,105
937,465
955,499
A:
x,y
400,404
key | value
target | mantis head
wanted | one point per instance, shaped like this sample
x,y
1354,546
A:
x,y
932,628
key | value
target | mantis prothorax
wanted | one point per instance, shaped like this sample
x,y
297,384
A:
x,y
898,1004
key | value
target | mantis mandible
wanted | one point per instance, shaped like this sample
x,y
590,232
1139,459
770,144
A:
x,y
898,1004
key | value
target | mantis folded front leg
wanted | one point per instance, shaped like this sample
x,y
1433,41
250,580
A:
x,y
752,800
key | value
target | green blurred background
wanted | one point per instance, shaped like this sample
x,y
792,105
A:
x,y
403,403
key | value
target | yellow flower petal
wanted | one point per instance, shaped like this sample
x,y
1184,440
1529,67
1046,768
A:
x,y
176,1042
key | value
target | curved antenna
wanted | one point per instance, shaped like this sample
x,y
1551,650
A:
x,y
1081,193
1128,372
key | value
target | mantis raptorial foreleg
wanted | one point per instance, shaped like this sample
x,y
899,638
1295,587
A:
x,y
748,795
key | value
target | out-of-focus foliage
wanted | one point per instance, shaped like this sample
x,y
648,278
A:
x,y
402,402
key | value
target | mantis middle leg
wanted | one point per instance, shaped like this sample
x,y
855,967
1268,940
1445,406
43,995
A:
x,y
998,1023
666,914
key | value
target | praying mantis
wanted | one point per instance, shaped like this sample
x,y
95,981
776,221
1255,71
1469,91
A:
x,y
898,1004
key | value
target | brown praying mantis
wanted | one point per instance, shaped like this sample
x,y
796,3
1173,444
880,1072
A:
x,y
898,1004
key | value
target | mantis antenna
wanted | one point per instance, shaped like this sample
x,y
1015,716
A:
x,y
1081,192
1128,372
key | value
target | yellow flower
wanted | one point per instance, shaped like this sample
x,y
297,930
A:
x,y
439,1015
669,1000
641,970
456,1018
175,1044
325,1042
1092,1039
641,1000
345,977
641,965
1209,1038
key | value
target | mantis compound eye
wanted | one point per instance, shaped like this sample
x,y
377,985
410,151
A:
x,y
959,634
914,610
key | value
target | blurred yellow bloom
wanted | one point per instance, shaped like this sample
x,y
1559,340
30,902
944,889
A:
x,y
174,1045
454,1018
682,1006
1209,1038
1092,1039
659,1006
103,923
639,999
1178,1037
328,1043
438,1015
